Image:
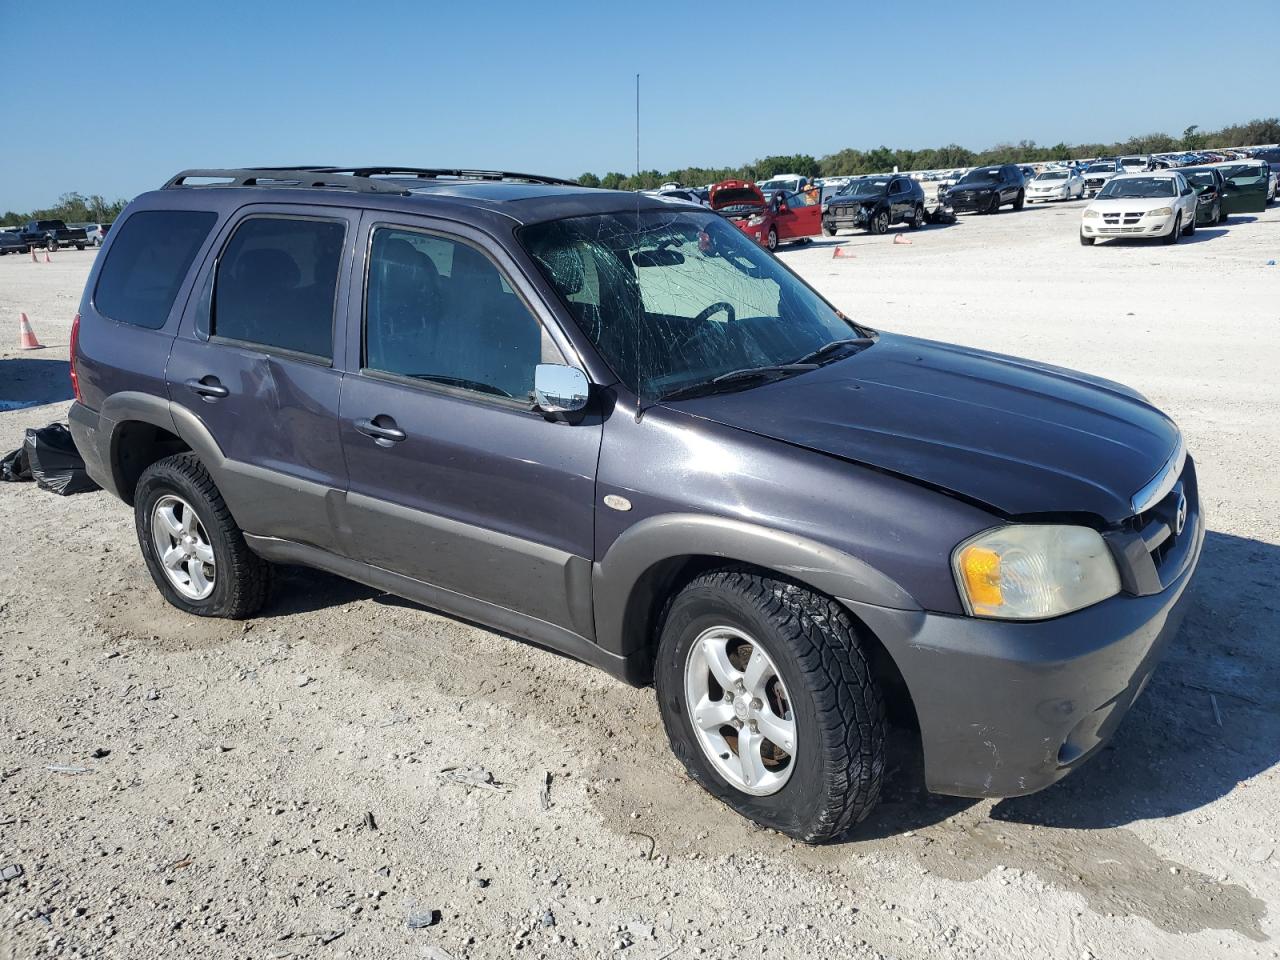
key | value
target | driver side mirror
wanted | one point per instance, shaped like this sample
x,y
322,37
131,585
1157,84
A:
x,y
558,388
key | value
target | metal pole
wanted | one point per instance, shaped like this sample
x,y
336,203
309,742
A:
x,y
637,126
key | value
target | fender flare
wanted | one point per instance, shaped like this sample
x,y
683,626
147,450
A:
x,y
136,407
621,578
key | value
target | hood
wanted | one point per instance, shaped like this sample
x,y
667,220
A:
x,y
1018,436
735,193
849,199
975,185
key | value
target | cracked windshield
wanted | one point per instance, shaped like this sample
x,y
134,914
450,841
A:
x,y
675,301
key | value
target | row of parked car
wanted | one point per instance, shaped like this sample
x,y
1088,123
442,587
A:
x,y
51,235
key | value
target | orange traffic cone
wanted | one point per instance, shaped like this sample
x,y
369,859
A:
x,y
47,259
839,253
26,336
33,254
900,238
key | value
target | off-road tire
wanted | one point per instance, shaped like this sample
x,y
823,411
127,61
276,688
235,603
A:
x,y
242,578
837,705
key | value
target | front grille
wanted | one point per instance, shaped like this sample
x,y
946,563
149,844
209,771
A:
x,y
1119,219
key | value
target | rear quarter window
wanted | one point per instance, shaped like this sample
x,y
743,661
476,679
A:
x,y
147,262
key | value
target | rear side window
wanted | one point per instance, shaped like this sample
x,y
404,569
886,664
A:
x,y
147,262
276,284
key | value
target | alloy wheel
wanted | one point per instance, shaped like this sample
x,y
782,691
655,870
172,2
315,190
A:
x,y
740,711
183,546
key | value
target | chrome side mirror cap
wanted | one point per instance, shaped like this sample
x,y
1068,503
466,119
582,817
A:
x,y
559,389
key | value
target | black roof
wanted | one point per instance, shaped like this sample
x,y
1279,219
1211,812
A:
x,y
523,198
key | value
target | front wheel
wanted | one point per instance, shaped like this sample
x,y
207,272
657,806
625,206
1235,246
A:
x,y
194,551
772,240
51,245
879,223
769,702
1176,232
828,232
1086,241
79,246
994,205
1190,229
1020,201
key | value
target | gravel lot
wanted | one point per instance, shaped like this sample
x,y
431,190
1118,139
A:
x,y
277,788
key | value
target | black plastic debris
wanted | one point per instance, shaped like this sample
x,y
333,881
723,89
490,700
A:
x,y
56,464
14,466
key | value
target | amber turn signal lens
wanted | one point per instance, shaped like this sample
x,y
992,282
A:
x,y
980,569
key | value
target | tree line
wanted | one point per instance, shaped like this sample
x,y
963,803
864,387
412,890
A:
x,y
851,162
71,208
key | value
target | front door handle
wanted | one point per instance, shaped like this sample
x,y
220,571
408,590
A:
x,y
384,434
210,390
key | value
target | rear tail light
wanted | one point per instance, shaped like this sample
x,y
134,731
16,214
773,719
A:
x,y
75,343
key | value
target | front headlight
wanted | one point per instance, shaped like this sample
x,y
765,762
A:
x,y
755,220
1033,571
1091,214
1161,212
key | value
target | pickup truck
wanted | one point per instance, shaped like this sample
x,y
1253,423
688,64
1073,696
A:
x,y
53,234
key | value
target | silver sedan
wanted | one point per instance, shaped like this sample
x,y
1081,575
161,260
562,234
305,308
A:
x,y
1056,185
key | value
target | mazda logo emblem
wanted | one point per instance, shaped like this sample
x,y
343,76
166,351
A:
x,y
1180,517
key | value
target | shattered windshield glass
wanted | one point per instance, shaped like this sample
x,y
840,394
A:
x,y
675,299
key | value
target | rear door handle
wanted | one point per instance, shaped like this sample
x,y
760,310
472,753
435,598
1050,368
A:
x,y
212,390
383,435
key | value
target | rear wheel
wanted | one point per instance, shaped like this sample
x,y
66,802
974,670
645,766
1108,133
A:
x,y
194,551
769,702
918,219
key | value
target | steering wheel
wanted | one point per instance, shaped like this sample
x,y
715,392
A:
x,y
715,308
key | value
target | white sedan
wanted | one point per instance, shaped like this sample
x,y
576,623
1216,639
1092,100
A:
x,y
1157,204
1056,185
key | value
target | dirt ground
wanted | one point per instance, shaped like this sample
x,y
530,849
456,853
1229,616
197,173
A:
x,y
291,786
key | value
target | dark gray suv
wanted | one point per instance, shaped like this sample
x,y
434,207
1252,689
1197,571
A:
x,y
618,428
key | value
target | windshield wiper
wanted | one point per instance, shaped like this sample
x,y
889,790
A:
x,y
815,355
734,378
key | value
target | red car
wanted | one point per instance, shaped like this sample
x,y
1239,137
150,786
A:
x,y
769,222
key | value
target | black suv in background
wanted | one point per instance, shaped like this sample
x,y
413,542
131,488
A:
x,y
874,204
619,427
987,189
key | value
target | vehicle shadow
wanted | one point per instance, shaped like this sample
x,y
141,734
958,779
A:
x,y
30,382
1201,235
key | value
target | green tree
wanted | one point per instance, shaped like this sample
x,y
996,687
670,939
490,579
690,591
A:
x,y
589,180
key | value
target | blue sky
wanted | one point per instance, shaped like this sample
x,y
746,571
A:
x,y
548,87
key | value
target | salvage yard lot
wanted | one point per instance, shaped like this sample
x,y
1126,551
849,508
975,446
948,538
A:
x,y
225,813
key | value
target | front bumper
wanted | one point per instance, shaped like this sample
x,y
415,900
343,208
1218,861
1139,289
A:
x,y
1007,708
844,218
1142,227
971,203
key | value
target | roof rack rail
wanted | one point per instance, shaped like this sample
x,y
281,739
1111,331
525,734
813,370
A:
x,y
440,173
303,177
